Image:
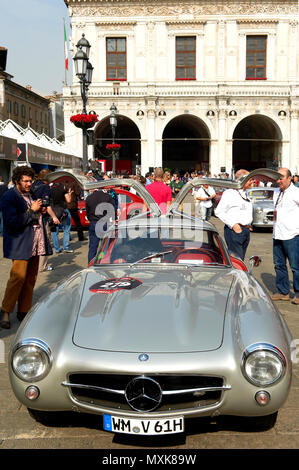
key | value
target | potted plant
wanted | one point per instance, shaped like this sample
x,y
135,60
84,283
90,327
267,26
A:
x,y
84,121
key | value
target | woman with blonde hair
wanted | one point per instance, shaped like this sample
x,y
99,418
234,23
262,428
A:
x,y
167,178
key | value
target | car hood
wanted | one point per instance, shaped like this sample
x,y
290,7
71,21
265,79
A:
x,y
153,309
264,204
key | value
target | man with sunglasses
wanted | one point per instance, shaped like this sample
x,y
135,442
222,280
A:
x,y
286,236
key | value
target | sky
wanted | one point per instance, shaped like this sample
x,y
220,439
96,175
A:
x,y
32,31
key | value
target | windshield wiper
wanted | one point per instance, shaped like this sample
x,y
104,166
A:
x,y
154,255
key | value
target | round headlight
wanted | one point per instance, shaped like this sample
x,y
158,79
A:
x,y
263,364
31,360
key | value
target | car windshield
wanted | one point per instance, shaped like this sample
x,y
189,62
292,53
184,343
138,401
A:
x,y
260,194
162,245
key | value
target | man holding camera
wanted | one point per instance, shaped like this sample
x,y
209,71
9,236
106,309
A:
x,y
24,240
42,190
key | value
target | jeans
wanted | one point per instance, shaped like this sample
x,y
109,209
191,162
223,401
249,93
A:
x,y
205,212
66,225
237,243
76,219
93,241
283,250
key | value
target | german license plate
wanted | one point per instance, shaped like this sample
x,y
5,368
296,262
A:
x,y
148,427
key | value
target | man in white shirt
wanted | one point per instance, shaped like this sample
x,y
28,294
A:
x,y
204,195
286,236
235,211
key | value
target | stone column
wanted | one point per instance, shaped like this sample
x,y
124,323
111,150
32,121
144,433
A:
x,y
151,137
294,151
222,161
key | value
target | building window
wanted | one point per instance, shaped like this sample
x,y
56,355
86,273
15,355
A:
x,y
185,48
116,56
16,108
256,48
23,111
8,107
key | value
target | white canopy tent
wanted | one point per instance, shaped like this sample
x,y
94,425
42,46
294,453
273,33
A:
x,y
39,148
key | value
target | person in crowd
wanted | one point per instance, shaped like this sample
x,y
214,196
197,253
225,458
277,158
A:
x,y
107,177
186,177
160,191
90,175
42,191
205,195
60,196
198,174
99,205
176,185
286,236
3,189
148,177
167,178
72,206
142,180
235,210
296,181
24,240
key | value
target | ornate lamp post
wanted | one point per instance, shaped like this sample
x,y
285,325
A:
x,y
113,124
84,69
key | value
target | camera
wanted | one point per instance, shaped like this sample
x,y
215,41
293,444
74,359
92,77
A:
x,y
45,202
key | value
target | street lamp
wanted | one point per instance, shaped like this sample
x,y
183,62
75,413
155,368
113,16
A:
x,y
113,124
83,70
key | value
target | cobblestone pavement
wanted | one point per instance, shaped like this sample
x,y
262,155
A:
x,y
19,431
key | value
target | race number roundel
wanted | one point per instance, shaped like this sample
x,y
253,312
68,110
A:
x,y
112,285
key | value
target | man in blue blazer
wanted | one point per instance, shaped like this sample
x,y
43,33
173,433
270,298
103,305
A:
x,y
24,240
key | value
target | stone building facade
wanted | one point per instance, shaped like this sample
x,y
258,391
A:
x,y
22,105
201,84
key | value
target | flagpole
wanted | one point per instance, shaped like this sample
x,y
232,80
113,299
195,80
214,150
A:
x,y
64,52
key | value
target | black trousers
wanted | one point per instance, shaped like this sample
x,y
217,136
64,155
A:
x,y
78,226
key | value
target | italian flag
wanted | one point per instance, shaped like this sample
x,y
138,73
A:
x,y
65,51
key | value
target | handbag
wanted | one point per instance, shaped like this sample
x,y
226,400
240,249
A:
x,y
60,213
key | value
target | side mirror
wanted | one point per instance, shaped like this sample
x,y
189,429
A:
x,y
254,261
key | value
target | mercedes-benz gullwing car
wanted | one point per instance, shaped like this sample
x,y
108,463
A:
x,y
162,327
263,206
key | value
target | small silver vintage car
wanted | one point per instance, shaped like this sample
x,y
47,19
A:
x,y
162,326
263,207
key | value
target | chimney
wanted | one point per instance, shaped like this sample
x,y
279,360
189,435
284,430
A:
x,y
29,87
3,57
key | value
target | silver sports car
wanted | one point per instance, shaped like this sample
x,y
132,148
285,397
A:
x,y
263,206
161,327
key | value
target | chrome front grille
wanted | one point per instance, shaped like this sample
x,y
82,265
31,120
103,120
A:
x,y
179,392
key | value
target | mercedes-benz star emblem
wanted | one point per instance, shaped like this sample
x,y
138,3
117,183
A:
x,y
143,394
143,357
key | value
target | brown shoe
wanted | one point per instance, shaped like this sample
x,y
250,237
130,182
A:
x,y
295,300
4,320
279,296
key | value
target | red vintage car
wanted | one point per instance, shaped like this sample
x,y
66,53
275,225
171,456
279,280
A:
x,y
129,205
